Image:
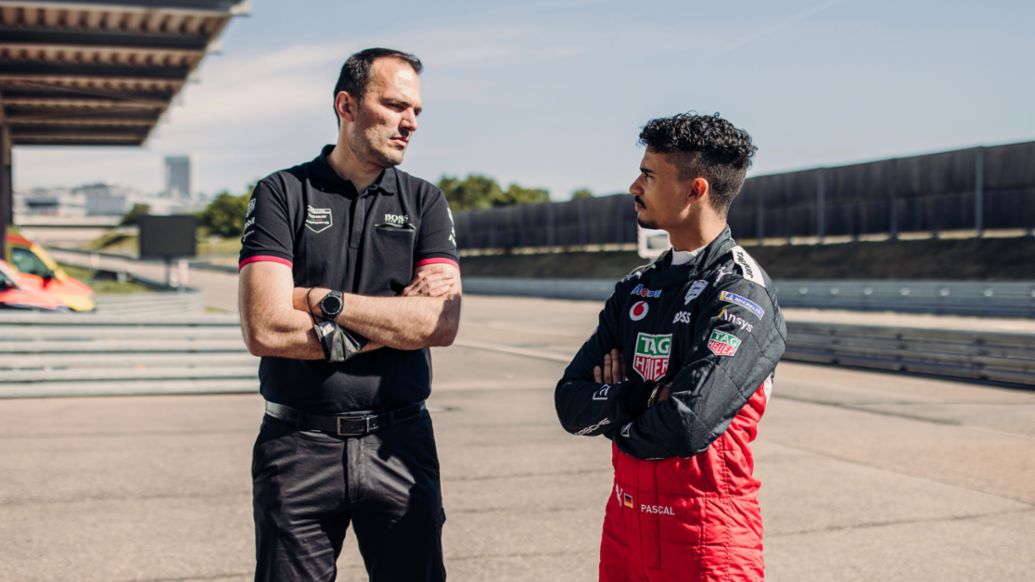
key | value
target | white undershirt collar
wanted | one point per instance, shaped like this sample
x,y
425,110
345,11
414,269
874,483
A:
x,y
684,257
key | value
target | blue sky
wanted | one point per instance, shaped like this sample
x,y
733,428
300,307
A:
x,y
552,94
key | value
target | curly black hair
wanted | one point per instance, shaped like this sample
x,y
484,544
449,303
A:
x,y
704,145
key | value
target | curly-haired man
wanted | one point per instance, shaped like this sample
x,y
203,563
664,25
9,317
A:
x,y
679,369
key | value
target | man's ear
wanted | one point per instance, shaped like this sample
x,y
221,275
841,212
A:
x,y
345,106
699,188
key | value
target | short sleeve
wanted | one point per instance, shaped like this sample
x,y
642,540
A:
x,y
436,242
267,234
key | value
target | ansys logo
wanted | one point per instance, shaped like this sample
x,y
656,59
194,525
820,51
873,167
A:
x,y
651,358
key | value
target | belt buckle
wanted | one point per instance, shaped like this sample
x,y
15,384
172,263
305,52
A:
x,y
360,426
346,426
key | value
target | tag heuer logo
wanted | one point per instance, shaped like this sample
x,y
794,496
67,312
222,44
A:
x,y
651,358
723,344
318,219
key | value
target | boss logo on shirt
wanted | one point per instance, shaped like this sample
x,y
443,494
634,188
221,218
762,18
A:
x,y
397,219
318,219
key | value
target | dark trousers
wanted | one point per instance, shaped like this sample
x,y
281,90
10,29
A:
x,y
308,486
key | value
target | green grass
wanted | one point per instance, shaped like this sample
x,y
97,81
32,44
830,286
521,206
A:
x,y
104,286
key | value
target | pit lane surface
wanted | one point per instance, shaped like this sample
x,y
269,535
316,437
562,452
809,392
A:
x,y
865,476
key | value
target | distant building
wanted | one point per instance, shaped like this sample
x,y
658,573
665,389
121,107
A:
x,y
179,183
103,199
50,202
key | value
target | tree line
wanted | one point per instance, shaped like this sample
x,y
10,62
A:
x,y
224,216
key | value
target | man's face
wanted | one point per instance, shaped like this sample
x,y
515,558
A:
x,y
386,116
661,196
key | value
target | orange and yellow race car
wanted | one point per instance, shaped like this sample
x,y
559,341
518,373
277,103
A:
x,y
14,294
42,272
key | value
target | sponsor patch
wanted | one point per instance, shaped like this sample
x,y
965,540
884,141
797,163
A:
x,y
251,206
626,429
722,272
639,310
627,500
735,319
748,266
452,227
681,317
744,302
593,427
695,290
602,393
723,344
397,219
318,219
644,292
651,358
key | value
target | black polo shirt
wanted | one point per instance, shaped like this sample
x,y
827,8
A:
x,y
368,243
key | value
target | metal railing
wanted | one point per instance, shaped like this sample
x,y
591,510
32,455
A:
x,y
71,355
992,299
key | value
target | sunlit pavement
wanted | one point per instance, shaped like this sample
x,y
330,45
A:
x,y
866,476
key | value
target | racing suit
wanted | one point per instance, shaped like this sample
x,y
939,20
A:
x,y
684,504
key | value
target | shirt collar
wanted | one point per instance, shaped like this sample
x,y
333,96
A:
x,y
684,257
323,175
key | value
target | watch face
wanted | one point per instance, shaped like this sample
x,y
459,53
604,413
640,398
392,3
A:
x,y
330,305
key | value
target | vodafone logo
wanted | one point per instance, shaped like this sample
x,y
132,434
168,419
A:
x,y
639,310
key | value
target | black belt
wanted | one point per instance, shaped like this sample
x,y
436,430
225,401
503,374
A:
x,y
349,424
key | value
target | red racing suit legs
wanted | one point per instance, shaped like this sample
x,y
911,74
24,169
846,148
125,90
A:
x,y
688,519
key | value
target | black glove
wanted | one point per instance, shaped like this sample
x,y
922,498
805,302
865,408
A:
x,y
338,344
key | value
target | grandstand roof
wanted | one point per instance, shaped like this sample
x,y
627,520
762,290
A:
x,y
100,73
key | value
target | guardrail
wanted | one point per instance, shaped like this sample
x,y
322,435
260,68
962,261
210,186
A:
x,y
1004,358
993,299
71,355
158,303
983,356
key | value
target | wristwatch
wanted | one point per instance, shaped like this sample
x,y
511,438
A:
x,y
331,304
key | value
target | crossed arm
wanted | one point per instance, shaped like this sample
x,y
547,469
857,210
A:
x,y
275,317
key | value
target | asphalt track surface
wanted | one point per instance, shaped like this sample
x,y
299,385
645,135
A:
x,y
866,476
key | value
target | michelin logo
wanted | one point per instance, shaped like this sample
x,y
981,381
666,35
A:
x,y
743,302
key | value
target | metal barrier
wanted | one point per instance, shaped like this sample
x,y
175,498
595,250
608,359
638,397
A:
x,y
188,302
71,355
1006,358
994,299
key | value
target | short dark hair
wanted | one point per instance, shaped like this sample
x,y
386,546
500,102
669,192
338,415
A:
x,y
355,73
704,145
